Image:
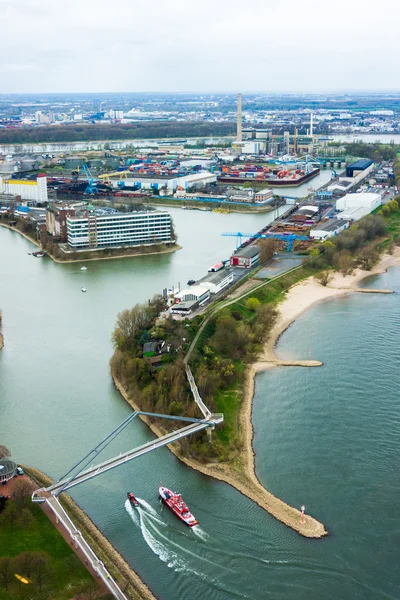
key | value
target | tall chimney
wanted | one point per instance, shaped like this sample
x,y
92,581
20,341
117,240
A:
x,y
239,119
311,124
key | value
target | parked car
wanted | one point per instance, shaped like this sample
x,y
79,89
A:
x,y
20,471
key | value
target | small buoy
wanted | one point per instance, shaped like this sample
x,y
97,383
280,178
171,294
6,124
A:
x,y
83,289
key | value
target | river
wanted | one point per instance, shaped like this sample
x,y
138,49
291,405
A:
x,y
325,437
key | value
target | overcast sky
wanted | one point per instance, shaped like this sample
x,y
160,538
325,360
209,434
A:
x,y
199,46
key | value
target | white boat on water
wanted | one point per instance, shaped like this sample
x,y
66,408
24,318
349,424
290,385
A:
x,y
83,268
83,289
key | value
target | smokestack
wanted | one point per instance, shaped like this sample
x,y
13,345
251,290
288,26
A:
x,y
239,118
311,124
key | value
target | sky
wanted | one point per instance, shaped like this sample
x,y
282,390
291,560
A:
x,y
198,46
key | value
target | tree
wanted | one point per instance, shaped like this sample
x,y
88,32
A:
x,y
252,304
324,277
23,489
4,452
24,563
26,518
267,249
41,571
6,574
89,591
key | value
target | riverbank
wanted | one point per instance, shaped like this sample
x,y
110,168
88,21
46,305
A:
x,y
308,292
239,473
1,341
212,206
127,254
117,566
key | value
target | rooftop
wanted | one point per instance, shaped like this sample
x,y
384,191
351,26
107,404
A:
x,y
331,225
247,252
216,277
7,467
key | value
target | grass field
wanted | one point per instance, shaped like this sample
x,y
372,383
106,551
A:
x,y
69,575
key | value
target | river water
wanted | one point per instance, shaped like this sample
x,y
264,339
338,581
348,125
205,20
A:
x,y
327,437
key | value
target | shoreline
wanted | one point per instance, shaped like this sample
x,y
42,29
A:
x,y
241,472
173,248
240,476
97,540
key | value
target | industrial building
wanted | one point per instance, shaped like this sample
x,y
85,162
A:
x,y
323,231
98,229
216,282
356,206
358,167
168,182
197,293
245,257
33,191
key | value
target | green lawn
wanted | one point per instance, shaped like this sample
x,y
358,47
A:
x,y
42,536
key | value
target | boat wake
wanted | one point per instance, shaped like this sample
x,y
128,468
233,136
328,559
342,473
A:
x,y
147,519
157,535
200,533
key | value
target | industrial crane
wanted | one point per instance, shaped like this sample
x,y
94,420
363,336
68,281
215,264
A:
x,y
288,238
91,188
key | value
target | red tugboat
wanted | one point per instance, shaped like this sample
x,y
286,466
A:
x,y
175,502
132,499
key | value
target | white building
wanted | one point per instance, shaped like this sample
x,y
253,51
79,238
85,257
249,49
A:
x,y
196,293
36,191
356,206
216,282
324,231
197,180
253,147
118,229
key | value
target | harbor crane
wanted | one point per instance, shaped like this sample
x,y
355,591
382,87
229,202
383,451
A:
x,y
288,238
91,188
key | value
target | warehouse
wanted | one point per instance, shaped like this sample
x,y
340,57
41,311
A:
x,y
323,231
34,191
196,293
245,257
358,167
99,230
168,182
217,281
356,206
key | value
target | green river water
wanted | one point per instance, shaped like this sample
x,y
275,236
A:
x,y
328,437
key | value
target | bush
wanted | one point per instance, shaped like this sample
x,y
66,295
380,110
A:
x,y
252,304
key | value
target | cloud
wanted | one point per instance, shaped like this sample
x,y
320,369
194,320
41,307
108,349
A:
x,y
223,45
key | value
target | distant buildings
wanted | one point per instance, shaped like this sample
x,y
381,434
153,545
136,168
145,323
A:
x,y
95,230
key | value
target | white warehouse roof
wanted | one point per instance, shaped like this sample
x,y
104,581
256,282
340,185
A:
x,y
367,199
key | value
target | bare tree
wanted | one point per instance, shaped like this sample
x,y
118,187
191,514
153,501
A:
x,y
324,277
4,452
41,571
24,563
267,250
23,489
90,591
5,571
